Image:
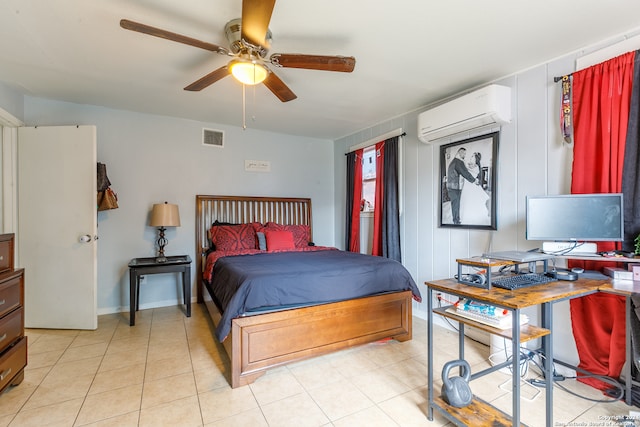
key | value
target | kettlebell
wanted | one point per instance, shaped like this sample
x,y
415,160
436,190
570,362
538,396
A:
x,y
455,390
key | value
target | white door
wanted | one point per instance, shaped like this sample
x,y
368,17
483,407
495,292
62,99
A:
x,y
57,225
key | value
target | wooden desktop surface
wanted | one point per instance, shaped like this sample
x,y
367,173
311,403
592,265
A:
x,y
523,297
601,258
620,287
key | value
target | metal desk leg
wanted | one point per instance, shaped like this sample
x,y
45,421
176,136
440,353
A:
x,y
515,377
133,286
429,353
461,346
186,286
628,381
547,349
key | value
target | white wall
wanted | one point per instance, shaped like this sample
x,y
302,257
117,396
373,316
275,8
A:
x,y
12,104
532,159
12,100
151,159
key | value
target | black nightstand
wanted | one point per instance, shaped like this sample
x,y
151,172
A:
x,y
142,266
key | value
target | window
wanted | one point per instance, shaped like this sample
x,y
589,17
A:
x,y
368,179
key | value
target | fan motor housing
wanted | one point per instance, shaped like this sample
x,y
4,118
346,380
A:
x,y
233,33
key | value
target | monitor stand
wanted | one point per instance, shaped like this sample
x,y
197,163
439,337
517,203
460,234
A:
x,y
569,248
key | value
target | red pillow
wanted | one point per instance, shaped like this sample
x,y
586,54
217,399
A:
x,y
300,233
278,240
258,226
233,237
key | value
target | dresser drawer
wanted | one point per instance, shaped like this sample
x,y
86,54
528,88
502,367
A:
x,y
11,328
6,252
13,362
10,294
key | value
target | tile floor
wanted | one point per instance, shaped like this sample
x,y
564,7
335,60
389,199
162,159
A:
x,y
167,371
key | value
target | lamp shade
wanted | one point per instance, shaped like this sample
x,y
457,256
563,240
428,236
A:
x,y
248,72
165,215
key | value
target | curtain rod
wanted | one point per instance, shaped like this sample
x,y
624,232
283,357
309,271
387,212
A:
x,y
557,79
383,137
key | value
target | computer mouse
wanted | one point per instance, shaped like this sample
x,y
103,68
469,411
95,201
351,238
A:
x,y
577,270
626,254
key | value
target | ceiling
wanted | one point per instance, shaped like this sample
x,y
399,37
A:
x,y
409,54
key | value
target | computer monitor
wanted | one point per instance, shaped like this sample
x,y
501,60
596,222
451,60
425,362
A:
x,y
575,217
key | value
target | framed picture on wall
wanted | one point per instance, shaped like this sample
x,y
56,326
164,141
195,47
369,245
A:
x,y
468,183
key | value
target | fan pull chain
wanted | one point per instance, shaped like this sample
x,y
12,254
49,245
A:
x,y
254,103
244,108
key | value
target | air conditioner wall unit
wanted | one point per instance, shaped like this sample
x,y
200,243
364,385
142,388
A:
x,y
486,106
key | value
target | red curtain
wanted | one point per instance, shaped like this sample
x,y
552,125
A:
x,y
376,246
354,245
601,101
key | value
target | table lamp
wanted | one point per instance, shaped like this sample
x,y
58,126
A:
x,y
164,215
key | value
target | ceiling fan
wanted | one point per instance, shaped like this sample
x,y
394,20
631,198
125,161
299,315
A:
x,y
249,41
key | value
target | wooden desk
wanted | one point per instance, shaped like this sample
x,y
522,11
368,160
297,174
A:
x,y
544,295
141,266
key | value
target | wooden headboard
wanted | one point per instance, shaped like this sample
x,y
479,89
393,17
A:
x,y
242,210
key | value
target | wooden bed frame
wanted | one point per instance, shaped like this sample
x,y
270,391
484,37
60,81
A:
x,y
260,342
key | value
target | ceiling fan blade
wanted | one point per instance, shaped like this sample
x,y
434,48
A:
x,y
279,88
256,15
209,79
157,32
344,64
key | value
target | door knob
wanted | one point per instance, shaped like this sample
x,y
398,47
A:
x,y
85,239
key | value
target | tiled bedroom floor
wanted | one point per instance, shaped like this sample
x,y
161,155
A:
x,y
167,371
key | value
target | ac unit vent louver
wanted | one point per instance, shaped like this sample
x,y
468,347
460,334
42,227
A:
x,y
212,138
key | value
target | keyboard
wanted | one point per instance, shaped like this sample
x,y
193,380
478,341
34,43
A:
x,y
518,281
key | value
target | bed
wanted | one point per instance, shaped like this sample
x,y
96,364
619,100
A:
x,y
258,341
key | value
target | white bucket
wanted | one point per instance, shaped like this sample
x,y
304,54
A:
x,y
500,351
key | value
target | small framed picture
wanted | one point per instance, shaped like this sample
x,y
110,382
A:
x,y
468,183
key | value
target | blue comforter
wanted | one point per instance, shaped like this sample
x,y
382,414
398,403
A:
x,y
270,281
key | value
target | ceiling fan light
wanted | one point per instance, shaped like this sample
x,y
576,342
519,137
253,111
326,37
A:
x,y
248,72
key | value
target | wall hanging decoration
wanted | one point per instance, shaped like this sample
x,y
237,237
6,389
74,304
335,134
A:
x,y
468,183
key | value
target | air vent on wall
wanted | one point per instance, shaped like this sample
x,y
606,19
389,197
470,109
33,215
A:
x,y
212,138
